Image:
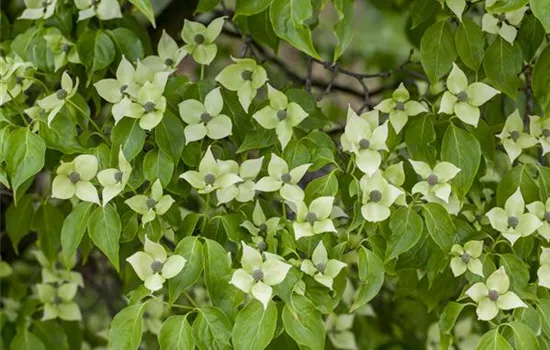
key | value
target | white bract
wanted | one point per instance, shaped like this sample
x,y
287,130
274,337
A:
x,y
149,106
151,206
457,6
365,138
210,176
205,119
280,115
169,55
37,9
467,258
339,331
153,266
282,180
400,108
258,275
114,180
542,212
463,99
261,227
58,301
321,268
512,221
53,103
200,39
244,76
540,129
494,295
513,138
395,175
377,197
102,9
503,24
64,51
543,272
73,179
314,219
244,190
435,181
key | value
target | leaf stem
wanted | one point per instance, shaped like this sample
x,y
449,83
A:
x,y
206,210
202,71
190,298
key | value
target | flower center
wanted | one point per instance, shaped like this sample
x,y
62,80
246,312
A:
x,y
262,227
320,267
432,180
123,88
199,39
74,177
375,196
462,96
61,94
286,178
148,107
66,48
209,179
246,74
311,217
546,132
205,118
513,221
169,62
400,106
57,300
364,144
547,216
281,114
514,135
257,274
151,203
502,17
493,295
118,176
261,246
95,3
156,266
465,258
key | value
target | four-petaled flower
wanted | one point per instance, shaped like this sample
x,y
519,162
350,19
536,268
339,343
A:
x,y
435,181
377,197
244,76
314,219
200,39
258,275
54,102
464,100
205,119
149,106
493,295
103,9
114,180
169,55
64,51
503,24
73,178
210,176
150,207
323,269
467,258
280,115
365,138
153,266
513,138
58,301
512,221
38,9
282,180
339,331
244,190
261,227
400,108
540,129
542,212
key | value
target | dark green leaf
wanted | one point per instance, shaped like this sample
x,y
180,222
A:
x,y
371,275
517,177
541,10
49,220
530,36
128,43
326,185
258,139
158,165
130,136
437,50
420,134
18,219
251,7
211,329
169,136
541,80
125,332
492,340
74,227
191,249
470,43
449,316
104,229
176,334
440,226
502,63
406,227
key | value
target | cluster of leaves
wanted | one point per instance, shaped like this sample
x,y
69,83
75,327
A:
x,y
237,214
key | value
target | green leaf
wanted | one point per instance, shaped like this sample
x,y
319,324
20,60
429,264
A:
x,y
326,185
48,221
288,17
206,5
62,134
104,229
158,165
251,7
258,139
492,340
51,334
501,6
419,137
530,36
524,337
216,263
343,29
543,309
169,136
263,30
484,136
321,157
517,270
145,7
440,226
296,153
129,45
502,63
371,275
25,340
191,249
125,332
96,51
128,134
463,150
25,159
421,10
18,220
406,227
470,44
211,329
544,182
449,316
437,50
541,10
517,177
74,227
306,326
541,80
254,327
176,334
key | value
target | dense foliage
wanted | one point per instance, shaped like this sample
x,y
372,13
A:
x,y
209,186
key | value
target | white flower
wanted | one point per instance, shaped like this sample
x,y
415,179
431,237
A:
x,y
339,331
244,190
58,301
73,178
261,227
258,275
37,9
542,212
114,180
435,181
464,100
169,55
149,106
54,102
154,266
150,207
544,270
540,129
315,219
200,39
513,138
320,267
282,180
400,108
103,9
493,295
503,24
365,138
467,258
512,221
205,119
377,197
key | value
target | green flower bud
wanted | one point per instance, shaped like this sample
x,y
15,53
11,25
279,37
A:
x,y
74,177
546,132
286,178
246,75
514,135
311,217
205,118
364,143
169,62
281,114
465,258
118,176
199,39
400,106
209,179
148,107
